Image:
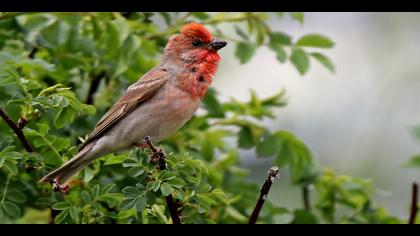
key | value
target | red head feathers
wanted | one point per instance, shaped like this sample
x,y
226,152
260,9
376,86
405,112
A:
x,y
198,31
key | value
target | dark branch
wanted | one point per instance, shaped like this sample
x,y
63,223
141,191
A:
x,y
272,175
17,129
159,156
414,204
306,198
94,87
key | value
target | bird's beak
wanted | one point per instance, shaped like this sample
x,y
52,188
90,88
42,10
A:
x,y
217,44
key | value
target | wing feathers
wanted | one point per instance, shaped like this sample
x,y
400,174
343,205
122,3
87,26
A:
x,y
135,95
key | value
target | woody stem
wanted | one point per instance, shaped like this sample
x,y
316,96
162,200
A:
x,y
272,175
160,155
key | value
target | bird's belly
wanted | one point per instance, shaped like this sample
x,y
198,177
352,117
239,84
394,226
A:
x,y
158,118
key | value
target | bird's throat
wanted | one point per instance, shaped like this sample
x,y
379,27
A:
x,y
199,75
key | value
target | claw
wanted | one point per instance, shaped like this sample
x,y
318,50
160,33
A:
x,y
56,187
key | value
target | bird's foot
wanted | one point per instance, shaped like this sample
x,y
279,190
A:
x,y
158,155
57,187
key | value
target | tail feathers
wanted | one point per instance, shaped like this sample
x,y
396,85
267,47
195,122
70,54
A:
x,y
69,169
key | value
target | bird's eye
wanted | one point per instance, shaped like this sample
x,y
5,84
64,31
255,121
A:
x,y
197,43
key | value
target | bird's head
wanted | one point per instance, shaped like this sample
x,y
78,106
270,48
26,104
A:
x,y
195,44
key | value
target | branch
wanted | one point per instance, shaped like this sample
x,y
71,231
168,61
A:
x,y
159,156
94,87
414,204
17,129
272,175
306,198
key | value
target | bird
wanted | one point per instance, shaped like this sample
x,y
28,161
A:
x,y
157,105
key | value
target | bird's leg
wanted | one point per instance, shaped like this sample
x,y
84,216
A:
x,y
57,187
158,155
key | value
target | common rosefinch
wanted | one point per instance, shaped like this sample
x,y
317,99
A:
x,y
157,105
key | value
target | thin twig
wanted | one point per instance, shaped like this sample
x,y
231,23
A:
x,y
272,175
306,198
17,129
94,87
414,204
159,157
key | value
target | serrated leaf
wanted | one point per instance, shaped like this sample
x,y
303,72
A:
x,y
315,40
115,160
166,189
135,171
269,146
140,204
324,60
177,183
300,60
245,51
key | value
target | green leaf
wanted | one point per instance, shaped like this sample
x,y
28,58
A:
x,y
269,146
115,160
177,183
246,138
16,196
324,60
140,204
413,162
126,213
280,38
200,15
315,40
61,217
131,192
245,51
239,31
166,175
299,16
415,131
74,213
64,116
61,205
11,209
304,217
125,56
86,197
166,189
300,60
11,167
135,171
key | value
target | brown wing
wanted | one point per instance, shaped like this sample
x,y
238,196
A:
x,y
136,94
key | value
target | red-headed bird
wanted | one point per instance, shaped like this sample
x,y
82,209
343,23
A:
x,y
157,105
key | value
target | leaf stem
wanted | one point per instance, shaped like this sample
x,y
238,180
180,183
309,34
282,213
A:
x,y
272,175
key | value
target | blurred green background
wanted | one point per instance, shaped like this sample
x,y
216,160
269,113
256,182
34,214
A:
x,y
356,121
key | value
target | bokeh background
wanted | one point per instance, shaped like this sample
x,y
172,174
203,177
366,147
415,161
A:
x,y
356,121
